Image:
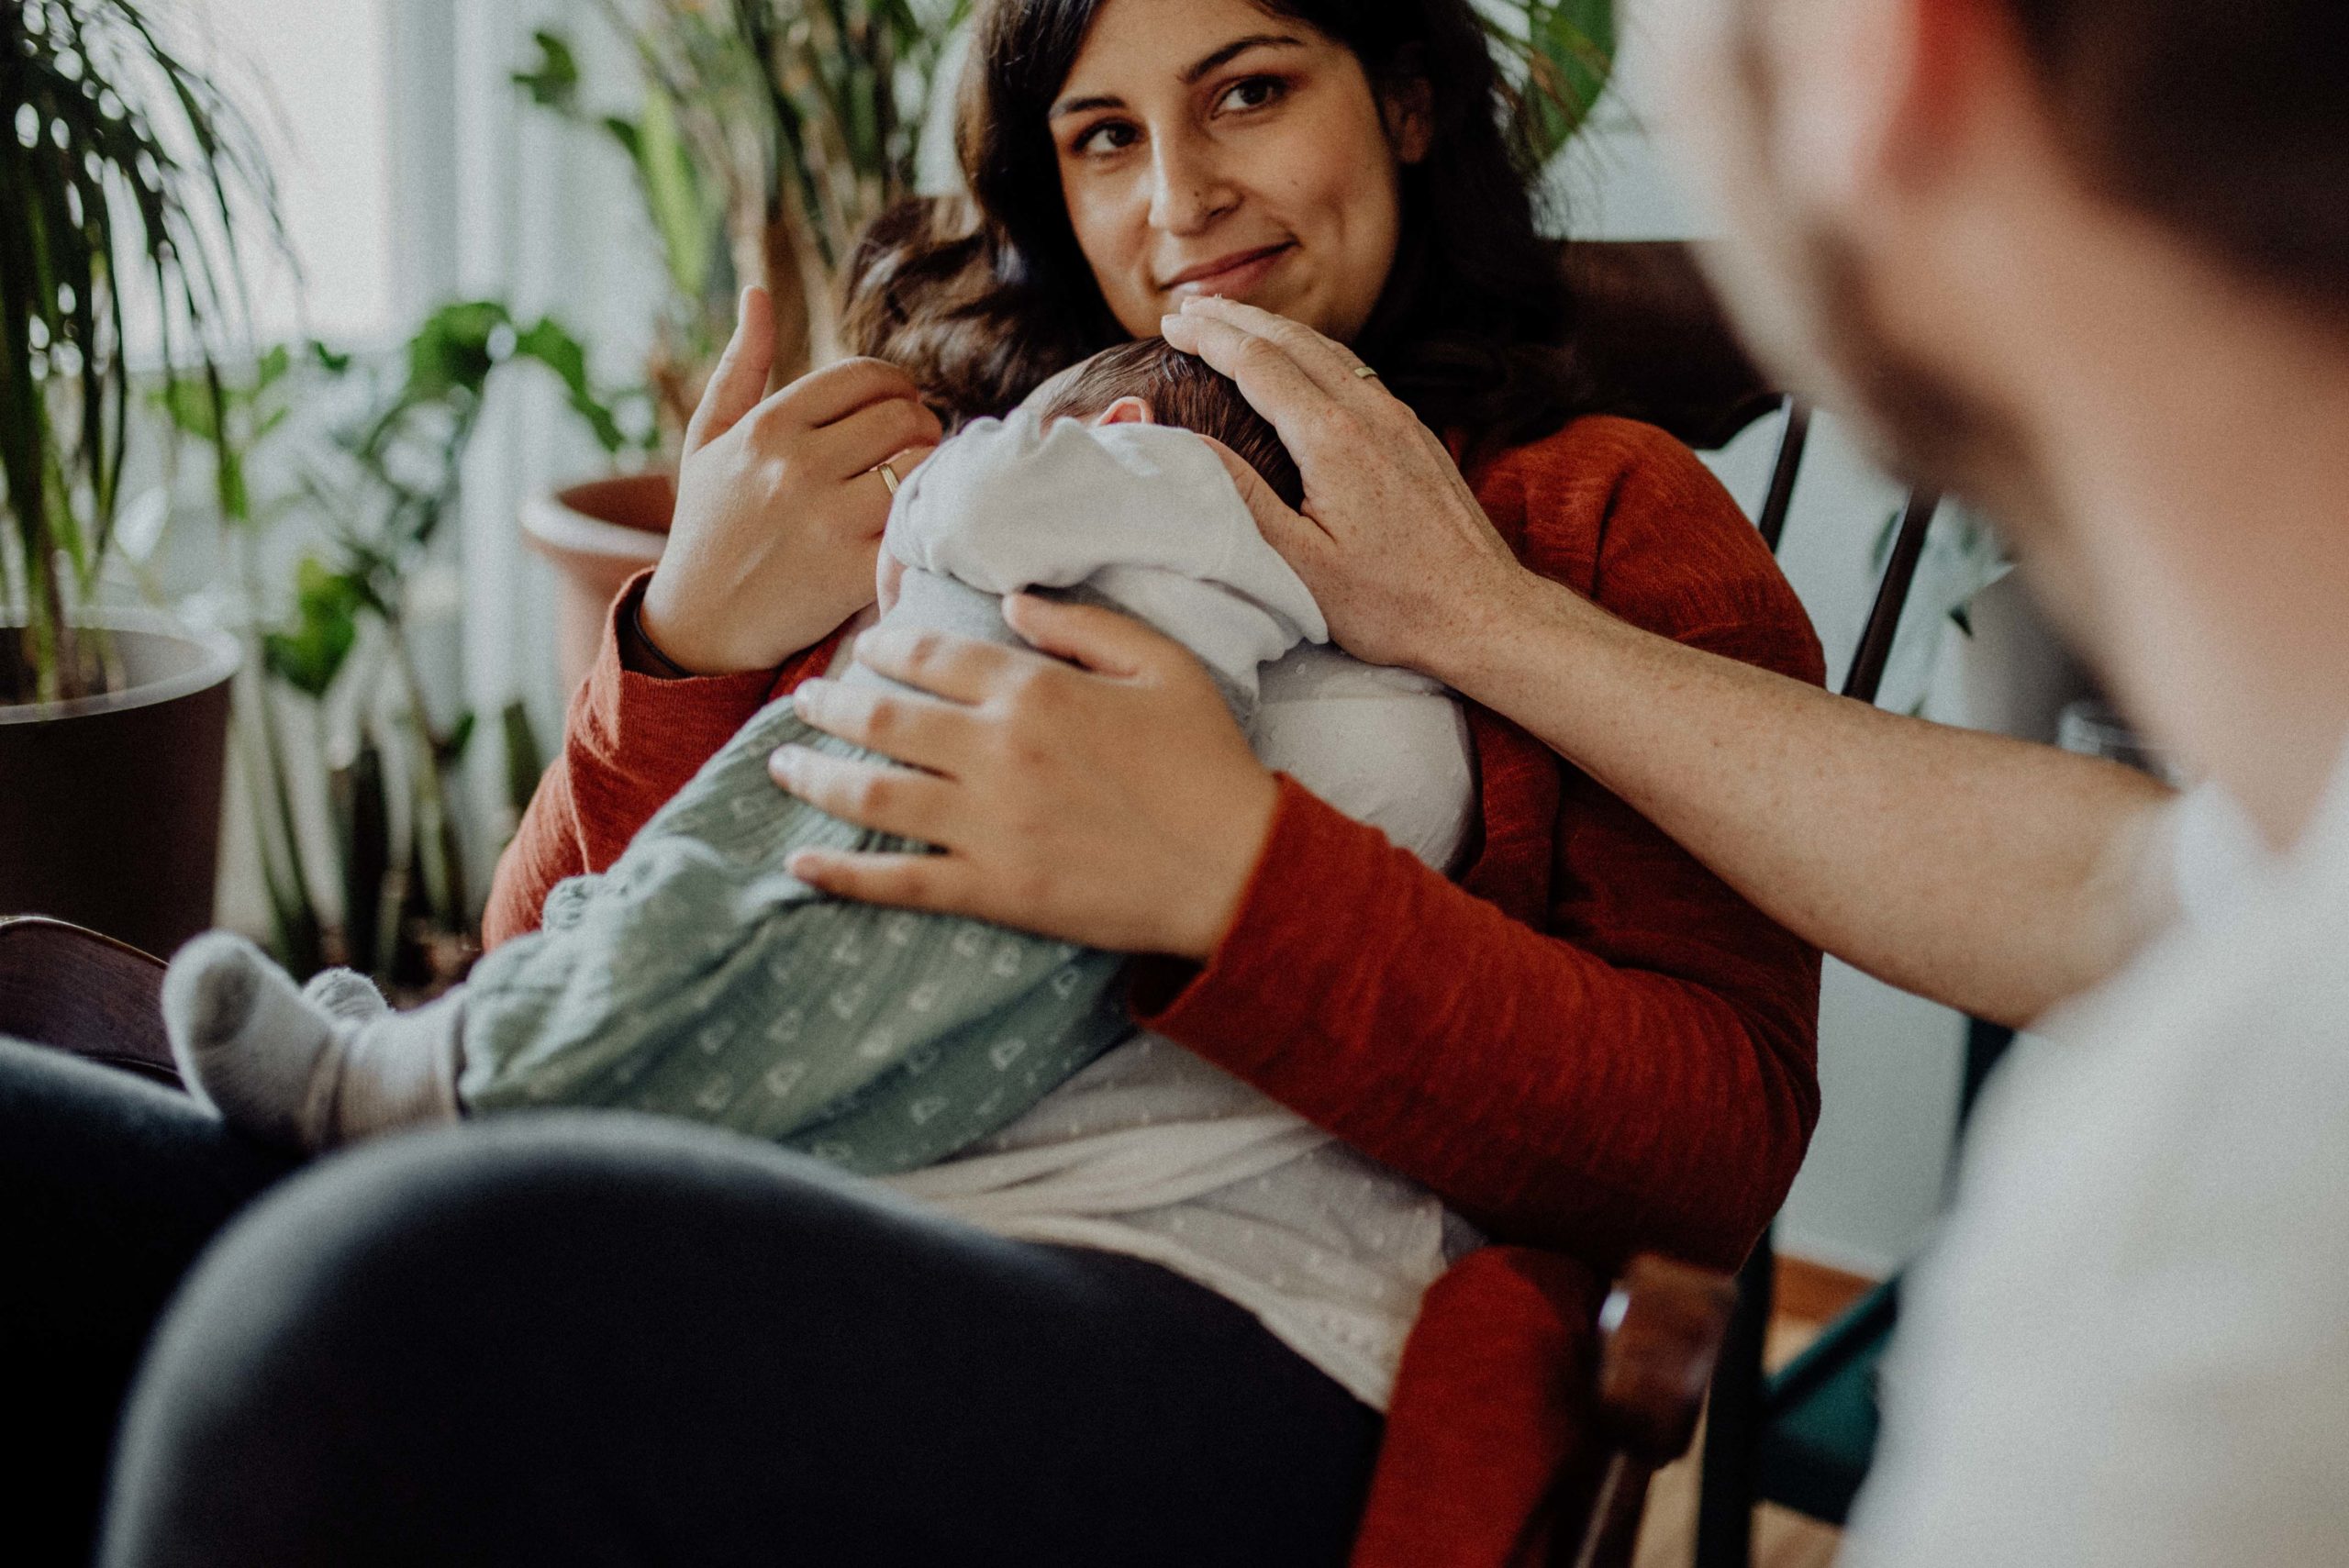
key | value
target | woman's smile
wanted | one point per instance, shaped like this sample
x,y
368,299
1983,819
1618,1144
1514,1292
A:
x,y
1236,274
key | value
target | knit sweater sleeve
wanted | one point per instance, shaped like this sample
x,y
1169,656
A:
x,y
630,742
1591,1043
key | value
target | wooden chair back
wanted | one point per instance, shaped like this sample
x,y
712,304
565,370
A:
x,y
76,991
1660,1336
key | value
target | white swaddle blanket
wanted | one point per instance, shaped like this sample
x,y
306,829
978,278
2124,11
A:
x,y
1151,1150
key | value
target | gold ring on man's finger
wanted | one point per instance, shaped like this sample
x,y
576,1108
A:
x,y
1366,372
888,476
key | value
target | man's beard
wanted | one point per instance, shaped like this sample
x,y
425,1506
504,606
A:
x,y
1804,295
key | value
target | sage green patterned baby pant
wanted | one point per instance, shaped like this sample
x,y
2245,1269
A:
x,y
697,978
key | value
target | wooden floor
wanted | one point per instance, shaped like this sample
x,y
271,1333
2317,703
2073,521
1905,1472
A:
x,y
1782,1538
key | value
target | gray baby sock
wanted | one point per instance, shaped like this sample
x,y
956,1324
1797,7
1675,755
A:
x,y
346,994
399,1070
248,1044
312,1068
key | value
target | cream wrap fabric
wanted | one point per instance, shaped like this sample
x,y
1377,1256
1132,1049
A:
x,y
1143,515
1151,1150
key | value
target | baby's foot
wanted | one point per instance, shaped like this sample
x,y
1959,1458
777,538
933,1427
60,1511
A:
x,y
313,1067
249,1043
346,995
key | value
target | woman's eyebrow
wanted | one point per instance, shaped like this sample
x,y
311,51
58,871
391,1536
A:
x,y
1236,48
1190,74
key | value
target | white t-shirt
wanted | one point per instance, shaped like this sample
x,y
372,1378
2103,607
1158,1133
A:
x,y
2130,1345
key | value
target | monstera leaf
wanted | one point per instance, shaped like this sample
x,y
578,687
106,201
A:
x,y
1560,53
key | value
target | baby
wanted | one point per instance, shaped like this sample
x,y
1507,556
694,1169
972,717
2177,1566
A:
x,y
697,978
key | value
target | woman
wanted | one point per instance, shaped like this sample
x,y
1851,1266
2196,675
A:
x,y
577,1340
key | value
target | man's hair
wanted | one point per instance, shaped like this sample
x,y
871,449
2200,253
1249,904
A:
x,y
2227,121
1181,389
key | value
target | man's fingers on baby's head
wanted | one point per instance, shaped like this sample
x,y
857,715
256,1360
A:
x,y
1263,505
1330,364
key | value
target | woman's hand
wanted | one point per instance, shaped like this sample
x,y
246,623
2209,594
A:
x,y
779,513
1114,803
1391,539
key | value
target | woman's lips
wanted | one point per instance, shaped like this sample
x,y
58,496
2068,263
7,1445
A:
x,y
1233,276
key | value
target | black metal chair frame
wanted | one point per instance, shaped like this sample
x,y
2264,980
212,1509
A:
x,y
1753,1447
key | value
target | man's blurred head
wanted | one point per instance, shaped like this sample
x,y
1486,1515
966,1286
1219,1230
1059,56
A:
x,y
1894,176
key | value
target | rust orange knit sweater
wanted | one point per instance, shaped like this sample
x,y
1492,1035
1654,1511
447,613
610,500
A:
x,y
1589,1044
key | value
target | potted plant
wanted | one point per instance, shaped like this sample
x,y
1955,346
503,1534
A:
x,y
771,132
335,708
116,159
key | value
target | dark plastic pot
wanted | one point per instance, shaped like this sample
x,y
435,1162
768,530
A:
x,y
110,806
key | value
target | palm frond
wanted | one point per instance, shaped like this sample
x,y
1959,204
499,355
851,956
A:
x,y
113,156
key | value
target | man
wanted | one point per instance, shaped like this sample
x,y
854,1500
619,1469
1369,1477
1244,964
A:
x,y
2087,262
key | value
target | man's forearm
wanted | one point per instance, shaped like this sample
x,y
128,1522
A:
x,y
1991,874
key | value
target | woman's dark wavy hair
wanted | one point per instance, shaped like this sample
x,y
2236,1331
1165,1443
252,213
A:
x,y
981,299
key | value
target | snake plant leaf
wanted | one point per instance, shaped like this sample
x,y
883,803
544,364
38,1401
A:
x,y
115,159
674,193
525,758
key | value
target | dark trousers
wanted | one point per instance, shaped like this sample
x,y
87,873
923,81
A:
x,y
593,1339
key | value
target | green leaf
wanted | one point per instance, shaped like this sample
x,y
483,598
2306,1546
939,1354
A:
x,y
326,606
625,133
129,173
552,81
672,190
460,735
189,407
1564,52
525,760
450,352
552,344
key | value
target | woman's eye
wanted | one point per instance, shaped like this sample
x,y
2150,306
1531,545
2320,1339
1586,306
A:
x,y
1109,136
1254,92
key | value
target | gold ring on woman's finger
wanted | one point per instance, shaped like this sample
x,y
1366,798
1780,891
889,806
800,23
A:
x,y
1366,372
888,476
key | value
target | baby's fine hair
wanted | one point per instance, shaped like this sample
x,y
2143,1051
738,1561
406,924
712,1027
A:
x,y
1184,390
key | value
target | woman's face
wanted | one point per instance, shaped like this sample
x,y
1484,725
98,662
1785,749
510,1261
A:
x,y
1210,147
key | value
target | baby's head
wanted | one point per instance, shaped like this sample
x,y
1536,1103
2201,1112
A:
x,y
1148,379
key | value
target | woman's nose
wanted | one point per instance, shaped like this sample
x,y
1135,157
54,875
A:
x,y
1189,190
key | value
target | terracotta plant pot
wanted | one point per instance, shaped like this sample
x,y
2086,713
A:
x,y
598,535
112,804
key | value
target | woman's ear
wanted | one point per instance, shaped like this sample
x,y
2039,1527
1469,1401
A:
x,y
1129,410
1408,107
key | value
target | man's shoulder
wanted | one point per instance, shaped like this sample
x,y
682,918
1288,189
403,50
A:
x,y
2128,1344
